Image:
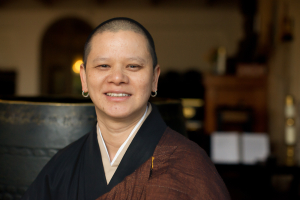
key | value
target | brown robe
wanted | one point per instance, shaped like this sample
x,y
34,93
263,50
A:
x,y
181,170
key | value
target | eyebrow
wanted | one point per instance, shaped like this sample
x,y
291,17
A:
x,y
139,59
100,59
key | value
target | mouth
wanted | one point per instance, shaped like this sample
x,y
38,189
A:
x,y
117,94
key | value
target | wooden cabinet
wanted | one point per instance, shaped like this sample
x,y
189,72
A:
x,y
235,91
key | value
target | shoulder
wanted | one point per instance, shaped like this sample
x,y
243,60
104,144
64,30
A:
x,y
73,147
66,156
59,169
189,167
187,153
70,151
185,148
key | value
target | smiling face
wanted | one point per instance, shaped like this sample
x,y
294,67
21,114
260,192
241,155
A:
x,y
119,75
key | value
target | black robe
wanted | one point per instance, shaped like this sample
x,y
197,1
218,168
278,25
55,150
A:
x,y
76,172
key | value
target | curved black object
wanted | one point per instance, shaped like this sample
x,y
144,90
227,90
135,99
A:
x,y
31,133
32,130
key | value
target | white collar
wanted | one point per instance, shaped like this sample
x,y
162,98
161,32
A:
x,y
123,145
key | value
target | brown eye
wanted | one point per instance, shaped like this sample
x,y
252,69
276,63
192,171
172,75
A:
x,y
133,67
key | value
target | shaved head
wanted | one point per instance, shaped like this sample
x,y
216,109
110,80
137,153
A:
x,y
121,24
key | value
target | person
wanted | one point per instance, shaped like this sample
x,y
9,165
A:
x,y
130,153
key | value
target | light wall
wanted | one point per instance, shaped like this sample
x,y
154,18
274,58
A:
x,y
183,36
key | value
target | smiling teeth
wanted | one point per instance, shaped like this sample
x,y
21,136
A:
x,y
117,94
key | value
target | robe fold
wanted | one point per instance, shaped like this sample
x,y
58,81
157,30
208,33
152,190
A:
x,y
159,164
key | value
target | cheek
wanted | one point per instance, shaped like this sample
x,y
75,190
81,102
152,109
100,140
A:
x,y
93,78
144,84
93,81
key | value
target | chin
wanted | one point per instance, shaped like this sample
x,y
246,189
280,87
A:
x,y
119,115
121,112
116,112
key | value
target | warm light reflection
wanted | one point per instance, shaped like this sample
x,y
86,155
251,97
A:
x,y
76,66
189,112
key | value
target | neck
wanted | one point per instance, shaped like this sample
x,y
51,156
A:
x,y
116,131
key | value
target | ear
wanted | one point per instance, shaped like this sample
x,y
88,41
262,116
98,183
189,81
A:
x,y
83,78
156,74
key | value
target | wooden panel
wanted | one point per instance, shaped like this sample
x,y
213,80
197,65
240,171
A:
x,y
234,91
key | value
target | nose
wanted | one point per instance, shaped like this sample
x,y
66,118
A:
x,y
117,76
